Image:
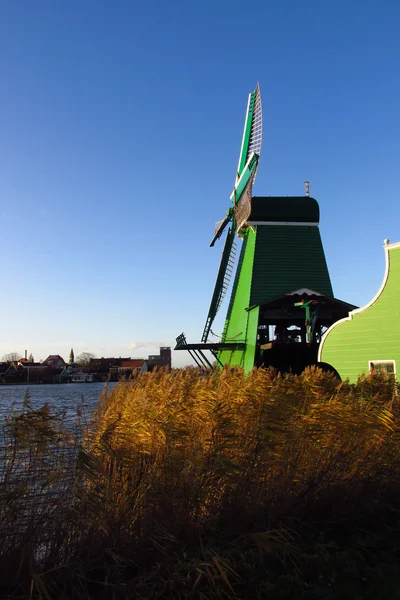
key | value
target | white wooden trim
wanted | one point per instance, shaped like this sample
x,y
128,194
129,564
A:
x,y
391,246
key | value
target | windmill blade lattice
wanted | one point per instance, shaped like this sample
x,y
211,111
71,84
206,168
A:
x,y
255,141
219,227
223,280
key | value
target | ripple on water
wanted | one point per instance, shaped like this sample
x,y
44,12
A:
x,y
61,396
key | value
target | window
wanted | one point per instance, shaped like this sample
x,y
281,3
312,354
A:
x,y
382,366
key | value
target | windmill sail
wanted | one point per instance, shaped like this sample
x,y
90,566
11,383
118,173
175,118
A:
x,y
241,200
241,195
223,280
255,140
252,132
220,226
243,207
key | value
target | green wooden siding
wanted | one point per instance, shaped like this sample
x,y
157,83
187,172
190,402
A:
x,y
372,333
275,260
287,258
241,324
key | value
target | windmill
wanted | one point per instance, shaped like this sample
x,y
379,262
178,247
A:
x,y
281,272
239,210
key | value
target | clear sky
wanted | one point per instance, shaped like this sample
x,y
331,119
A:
x,y
121,124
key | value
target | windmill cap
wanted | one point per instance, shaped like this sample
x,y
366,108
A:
x,y
284,209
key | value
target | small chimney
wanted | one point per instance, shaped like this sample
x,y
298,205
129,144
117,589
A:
x,y
307,184
26,354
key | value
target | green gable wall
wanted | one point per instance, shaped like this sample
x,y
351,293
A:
x,y
241,324
287,258
371,333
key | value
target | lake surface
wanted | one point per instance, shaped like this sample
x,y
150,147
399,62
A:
x,y
60,396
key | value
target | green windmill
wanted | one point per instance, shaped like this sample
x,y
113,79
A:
x,y
281,300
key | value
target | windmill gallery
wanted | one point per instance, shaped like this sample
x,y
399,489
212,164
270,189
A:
x,y
282,312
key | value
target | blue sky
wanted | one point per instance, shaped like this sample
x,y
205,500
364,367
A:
x,y
121,125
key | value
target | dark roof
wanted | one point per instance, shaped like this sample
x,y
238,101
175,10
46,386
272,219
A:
x,y
288,258
52,358
306,294
293,209
106,363
135,363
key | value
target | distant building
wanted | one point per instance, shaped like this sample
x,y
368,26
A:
x,y
165,356
103,365
28,364
115,368
32,372
80,377
129,367
160,360
8,372
55,361
61,375
29,372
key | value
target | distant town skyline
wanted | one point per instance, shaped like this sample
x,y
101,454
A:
x,y
121,127
72,356
85,369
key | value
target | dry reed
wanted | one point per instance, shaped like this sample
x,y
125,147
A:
x,y
188,485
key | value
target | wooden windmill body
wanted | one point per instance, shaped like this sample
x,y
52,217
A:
x,y
281,301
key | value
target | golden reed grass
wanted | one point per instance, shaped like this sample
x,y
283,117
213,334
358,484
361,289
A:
x,y
193,485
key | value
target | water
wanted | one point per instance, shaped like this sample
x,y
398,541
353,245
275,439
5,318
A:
x,y
24,470
59,396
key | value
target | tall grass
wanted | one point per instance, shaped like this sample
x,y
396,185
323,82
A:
x,y
212,486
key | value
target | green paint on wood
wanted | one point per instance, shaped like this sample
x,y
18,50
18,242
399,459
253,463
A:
x,y
251,337
371,333
281,253
286,259
241,324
